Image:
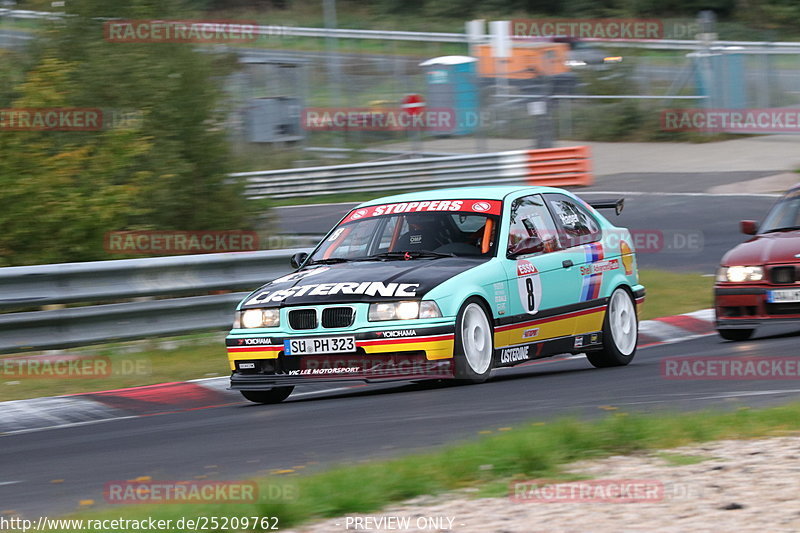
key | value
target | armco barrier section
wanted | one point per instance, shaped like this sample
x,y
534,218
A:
x,y
29,287
560,167
563,166
746,47
96,281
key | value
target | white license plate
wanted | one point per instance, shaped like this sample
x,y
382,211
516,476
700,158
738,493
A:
x,y
319,345
780,296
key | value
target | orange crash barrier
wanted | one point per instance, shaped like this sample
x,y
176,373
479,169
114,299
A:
x,y
560,167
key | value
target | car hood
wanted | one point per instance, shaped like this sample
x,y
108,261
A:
x,y
361,281
769,248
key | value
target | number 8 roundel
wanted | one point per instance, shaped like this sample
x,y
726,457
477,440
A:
x,y
529,286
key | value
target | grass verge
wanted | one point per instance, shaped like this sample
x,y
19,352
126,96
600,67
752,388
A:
x,y
532,450
155,361
673,293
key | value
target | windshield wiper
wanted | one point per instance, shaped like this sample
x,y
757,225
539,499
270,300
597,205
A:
x,y
416,254
329,261
787,228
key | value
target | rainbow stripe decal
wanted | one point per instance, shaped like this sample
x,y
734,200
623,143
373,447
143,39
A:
x,y
590,288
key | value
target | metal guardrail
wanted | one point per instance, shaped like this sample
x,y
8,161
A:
x,y
752,47
744,47
29,15
461,170
500,167
104,281
95,281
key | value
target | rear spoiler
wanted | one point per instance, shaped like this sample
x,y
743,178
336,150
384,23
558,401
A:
x,y
616,205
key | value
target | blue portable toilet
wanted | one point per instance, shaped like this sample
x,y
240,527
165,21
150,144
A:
x,y
721,77
452,83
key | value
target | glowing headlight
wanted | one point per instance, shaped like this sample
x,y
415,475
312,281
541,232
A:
x,y
258,318
408,310
737,274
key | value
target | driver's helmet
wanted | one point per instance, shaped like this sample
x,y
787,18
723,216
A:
x,y
426,231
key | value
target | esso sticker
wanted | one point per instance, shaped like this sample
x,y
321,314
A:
x,y
481,206
529,286
358,214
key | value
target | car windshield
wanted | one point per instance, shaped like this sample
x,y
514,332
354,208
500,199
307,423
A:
x,y
367,234
785,215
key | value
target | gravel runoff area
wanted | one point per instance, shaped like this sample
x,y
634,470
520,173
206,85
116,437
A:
x,y
737,485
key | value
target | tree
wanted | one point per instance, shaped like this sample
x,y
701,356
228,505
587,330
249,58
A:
x,y
165,170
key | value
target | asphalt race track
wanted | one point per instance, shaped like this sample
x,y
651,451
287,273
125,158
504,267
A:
x,y
245,439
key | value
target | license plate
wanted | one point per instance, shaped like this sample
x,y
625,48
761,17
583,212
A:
x,y
319,345
779,296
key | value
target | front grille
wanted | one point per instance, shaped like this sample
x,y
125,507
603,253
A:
x,y
739,310
303,319
337,317
783,274
792,308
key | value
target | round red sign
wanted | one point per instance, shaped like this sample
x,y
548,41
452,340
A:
x,y
414,104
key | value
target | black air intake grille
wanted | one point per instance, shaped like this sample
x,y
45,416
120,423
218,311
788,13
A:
x,y
783,274
337,317
303,319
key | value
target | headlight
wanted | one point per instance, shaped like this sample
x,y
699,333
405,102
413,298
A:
x,y
258,318
408,310
738,274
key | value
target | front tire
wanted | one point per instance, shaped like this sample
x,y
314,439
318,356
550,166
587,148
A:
x,y
474,343
736,334
620,332
273,395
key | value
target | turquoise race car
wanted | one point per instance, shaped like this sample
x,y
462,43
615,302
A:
x,y
443,284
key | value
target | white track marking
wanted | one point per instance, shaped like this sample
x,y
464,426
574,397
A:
x,y
61,426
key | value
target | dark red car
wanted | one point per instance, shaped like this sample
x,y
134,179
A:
x,y
758,281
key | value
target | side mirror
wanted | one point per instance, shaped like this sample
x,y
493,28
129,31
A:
x,y
748,227
529,245
298,259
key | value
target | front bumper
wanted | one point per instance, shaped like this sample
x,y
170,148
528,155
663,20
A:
x,y
746,307
399,367
260,361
